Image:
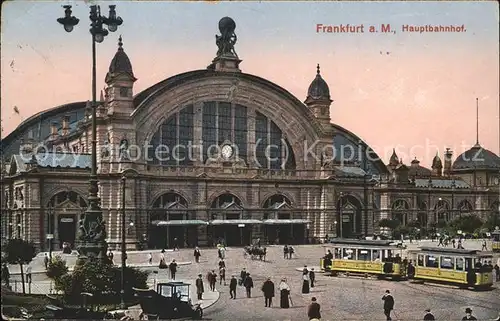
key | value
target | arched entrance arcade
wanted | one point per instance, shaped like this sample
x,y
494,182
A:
x,y
279,225
171,223
64,210
228,223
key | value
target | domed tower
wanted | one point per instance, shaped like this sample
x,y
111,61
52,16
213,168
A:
x,y
437,166
120,80
318,99
393,161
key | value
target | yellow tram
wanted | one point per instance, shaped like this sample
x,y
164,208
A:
x,y
467,268
368,257
495,241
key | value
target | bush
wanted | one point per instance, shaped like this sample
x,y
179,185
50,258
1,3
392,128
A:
x,y
56,268
102,279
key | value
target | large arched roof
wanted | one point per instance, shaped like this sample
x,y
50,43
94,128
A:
x,y
152,92
39,124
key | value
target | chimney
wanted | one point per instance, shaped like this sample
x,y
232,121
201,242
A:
x,y
447,161
65,125
53,130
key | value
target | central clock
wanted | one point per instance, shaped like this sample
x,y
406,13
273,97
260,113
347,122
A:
x,y
227,151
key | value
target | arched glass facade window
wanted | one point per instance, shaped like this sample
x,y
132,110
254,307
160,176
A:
x,y
221,122
349,151
63,197
170,144
422,214
227,207
400,209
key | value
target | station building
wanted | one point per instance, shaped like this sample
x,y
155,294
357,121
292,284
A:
x,y
221,154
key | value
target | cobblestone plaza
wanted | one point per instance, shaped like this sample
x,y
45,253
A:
x,y
341,298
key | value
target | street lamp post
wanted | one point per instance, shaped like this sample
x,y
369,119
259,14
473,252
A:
x,y
92,230
124,257
341,218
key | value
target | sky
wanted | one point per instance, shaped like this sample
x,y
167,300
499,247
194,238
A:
x,y
415,92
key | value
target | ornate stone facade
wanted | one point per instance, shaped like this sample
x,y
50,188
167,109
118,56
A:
x,y
288,174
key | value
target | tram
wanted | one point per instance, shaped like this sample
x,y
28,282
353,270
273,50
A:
x,y
466,268
495,241
367,257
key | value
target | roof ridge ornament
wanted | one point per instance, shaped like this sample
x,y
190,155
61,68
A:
x,y
226,60
120,43
318,70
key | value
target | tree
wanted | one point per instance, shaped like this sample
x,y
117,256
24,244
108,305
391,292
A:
x,y
18,251
465,223
56,268
101,278
388,223
492,221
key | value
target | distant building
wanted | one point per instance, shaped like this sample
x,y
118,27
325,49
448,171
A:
x,y
219,154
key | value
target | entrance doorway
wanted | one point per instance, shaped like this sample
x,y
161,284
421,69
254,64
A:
x,y
67,229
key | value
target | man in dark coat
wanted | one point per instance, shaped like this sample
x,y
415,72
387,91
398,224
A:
x,y
197,255
429,316
468,315
388,304
248,284
313,312
243,275
268,290
232,287
173,269
285,252
312,277
212,280
199,287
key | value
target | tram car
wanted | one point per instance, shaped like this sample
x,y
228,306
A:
x,y
465,268
495,241
367,257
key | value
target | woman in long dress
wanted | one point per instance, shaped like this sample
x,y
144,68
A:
x,y
305,284
285,292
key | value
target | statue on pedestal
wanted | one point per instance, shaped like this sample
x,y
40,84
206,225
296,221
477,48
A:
x,y
226,41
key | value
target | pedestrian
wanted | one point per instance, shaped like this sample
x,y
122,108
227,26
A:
x,y
453,242
248,284
176,244
222,275
197,255
232,287
268,290
163,263
428,315
222,253
28,274
285,252
484,247
497,272
468,315
46,261
5,274
290,252
314,310
212,280
305,281
243,275
312,277
199,287
222,264
459,245
150,258
173,269
284,294
111,256
388,304
441,241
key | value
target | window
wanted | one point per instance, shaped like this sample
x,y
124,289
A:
x,y
431,261
348,254
75,148
364,255
123,92
460,263
420,260
447,262
337,253
376,255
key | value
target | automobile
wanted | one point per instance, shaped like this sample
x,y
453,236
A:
x,y
169,301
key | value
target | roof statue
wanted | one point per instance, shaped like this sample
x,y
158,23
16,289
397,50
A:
x,y
227,39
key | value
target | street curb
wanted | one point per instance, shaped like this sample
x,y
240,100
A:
x,y
145,265
212,303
